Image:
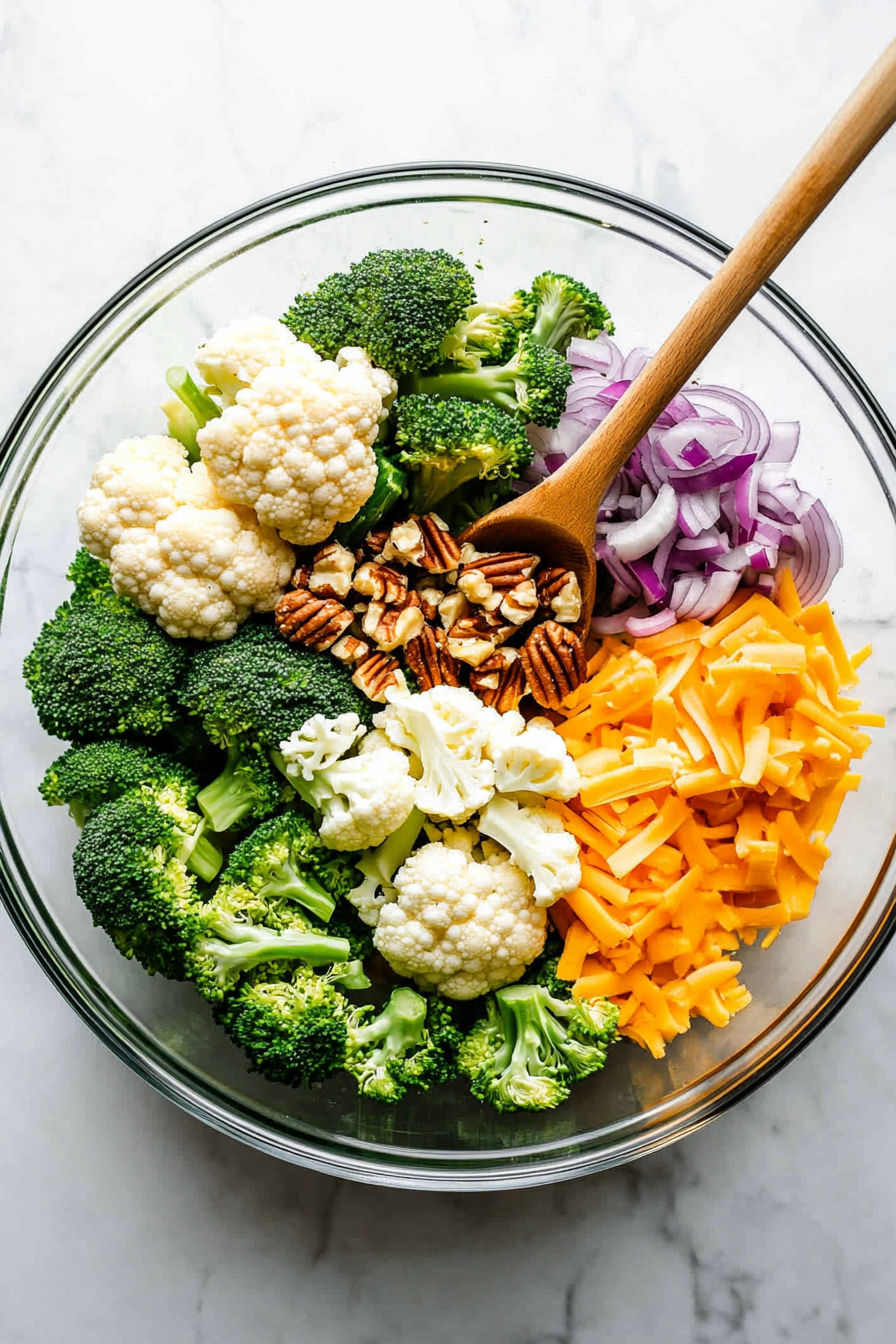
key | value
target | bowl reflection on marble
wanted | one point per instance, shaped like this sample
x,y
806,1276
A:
x,y
510,224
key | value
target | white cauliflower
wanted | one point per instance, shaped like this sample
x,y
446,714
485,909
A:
x,y
296,446
531,758
447,730
362,799
237,353
382,381
460,926
196,563
319,743
538,843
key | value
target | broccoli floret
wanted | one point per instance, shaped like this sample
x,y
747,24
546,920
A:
x,y
248,786
90,578
448,443
292,1028
188,410
398,305
256,689
532,384
284,860
345,923
530,1048
100,667
562,308
472,502
387,491
409,1044
488,332
86,777
133,877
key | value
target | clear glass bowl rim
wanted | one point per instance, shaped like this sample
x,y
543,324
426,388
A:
x,y
409,1168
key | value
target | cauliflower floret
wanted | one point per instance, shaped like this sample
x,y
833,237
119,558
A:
x,y
537,842
363,799
319,743
296,447
384,383
237,353
459,926
174,547
447,730
531,759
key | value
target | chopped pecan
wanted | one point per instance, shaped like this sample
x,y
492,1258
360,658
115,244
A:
x,y
315,622
559,595
350,649
300,575
430,599
453,608
381,582
521,603
474,638
377,540
405,543
441,553
331,573
392,627
430,660
500,681
378,674
554,661
494,571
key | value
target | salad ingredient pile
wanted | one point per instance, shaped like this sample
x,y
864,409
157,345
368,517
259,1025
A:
x,y
376,794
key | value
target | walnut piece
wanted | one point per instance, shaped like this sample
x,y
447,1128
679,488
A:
x,y
431,661
559,595
331,573
378,674
314,622
475,637
553,658
500,681
391,627
381,582
452,608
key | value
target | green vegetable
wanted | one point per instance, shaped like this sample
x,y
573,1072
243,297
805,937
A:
x,y
532,384
88,776
132,876
388,489
292,1028
255,689
100,667
562,308
471,502
531,1047
189,411
487,333
446,444
248,786
410,1043
398,305
284,859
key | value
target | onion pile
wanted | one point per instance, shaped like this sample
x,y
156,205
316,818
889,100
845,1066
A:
x,y
705,504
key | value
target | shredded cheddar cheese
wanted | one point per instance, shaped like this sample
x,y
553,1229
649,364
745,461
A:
x,y
715,761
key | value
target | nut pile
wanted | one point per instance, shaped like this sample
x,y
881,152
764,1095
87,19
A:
x,y
498,622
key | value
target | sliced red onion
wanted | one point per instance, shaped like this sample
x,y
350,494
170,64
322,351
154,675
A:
x,y
706,501
642,626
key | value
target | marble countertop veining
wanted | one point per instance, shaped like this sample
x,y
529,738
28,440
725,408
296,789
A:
x,y
123,128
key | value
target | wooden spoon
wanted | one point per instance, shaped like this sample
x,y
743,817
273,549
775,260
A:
x,y
557,519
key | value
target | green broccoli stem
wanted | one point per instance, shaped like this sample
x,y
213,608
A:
x,y
199,408
287,881
381,864
431,482
230,797
78,811
398,1028
493,382
200,854
351,976
238,947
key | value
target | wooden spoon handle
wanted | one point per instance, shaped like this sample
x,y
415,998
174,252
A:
x,y
853,133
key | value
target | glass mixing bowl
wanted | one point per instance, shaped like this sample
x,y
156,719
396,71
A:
x,y
508,224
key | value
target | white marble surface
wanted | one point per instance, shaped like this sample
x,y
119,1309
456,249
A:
x,y
124,128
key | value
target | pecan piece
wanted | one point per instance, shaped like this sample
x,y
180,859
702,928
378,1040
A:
x,y
452,608
496,571
500,681
521,603
392,627
430,599
331,572
553,658
350,649
474,638
377,540
430,660
559,595
382,583
441,553
378,674
315,622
